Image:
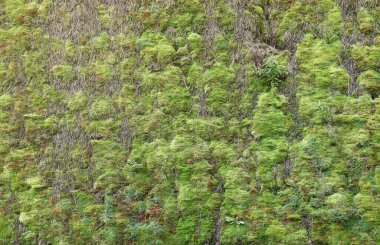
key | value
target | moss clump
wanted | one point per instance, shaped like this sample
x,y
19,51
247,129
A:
x,y
366,57
189,122
101,42
195,41
370,81
366,21
64,72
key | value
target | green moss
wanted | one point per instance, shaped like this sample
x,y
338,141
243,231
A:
x,y
6,102
105,17
107,154
275,232
44,8
339,78
165,53
108,182
103,72
370,81
119,126
171,75
34,66
333,24
77,101
5,228
25,217
102,108
183,21
102,128
219,74
64,72
366,21
127,67
161,53
174,99
101,42
290,20
272,72
35,183
366,57
196,41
